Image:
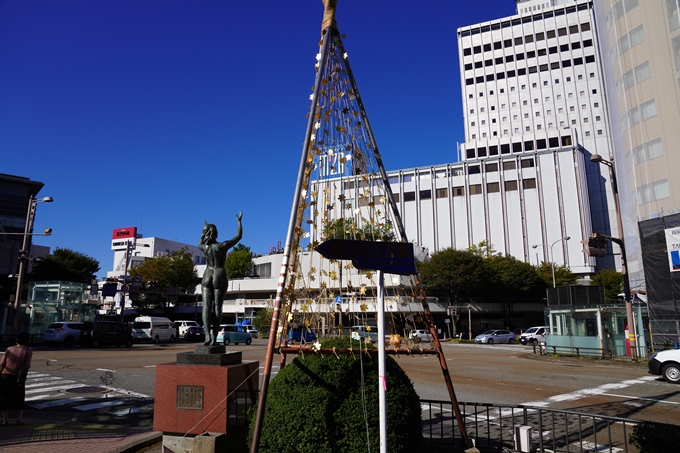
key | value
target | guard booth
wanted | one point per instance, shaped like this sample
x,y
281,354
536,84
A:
x,y
55,301
579,321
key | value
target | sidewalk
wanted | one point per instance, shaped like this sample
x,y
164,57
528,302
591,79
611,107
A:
x,y
43,431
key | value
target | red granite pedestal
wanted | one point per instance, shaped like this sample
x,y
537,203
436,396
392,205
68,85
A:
x,y
193,398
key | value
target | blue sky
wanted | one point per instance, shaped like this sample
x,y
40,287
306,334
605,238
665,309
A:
x,y
160,114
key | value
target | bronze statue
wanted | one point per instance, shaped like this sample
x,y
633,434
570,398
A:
x,y
215,279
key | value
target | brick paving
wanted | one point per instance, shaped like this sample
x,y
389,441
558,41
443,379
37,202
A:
x,y
54,436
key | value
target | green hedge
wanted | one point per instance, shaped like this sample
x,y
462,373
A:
x,y
314,405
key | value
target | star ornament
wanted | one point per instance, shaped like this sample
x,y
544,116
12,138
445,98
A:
x,y
317,346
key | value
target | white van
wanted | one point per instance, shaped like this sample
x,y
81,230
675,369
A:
x,y
151,328
533,335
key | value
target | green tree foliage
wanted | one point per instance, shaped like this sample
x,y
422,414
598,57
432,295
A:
x,y
510,280
612,282
263,321
174,270
239,262
65,265
452,274
563,275
655,437
348,229
483,249
315,405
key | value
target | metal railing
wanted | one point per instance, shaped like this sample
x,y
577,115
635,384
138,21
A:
x,y
492,426
578,351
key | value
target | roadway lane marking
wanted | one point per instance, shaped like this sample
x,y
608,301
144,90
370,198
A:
x,y
584,393
639,398
149,366
59,387
53,382
125,392
105,369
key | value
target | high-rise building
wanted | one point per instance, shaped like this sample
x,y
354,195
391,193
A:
x,y
640,48
533,90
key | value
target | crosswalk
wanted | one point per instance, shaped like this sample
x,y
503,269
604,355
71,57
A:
x,y
45,391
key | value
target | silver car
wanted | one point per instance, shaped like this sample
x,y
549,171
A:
x,y
67,333
495,336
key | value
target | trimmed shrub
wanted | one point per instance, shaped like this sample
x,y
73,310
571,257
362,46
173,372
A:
x,y
655,437
315,405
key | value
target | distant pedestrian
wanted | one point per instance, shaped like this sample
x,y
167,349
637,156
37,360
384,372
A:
x,y
12,392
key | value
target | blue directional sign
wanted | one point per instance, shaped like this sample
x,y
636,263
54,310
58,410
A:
x,y
390,257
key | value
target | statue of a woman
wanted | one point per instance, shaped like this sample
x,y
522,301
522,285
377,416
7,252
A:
x,y
215,280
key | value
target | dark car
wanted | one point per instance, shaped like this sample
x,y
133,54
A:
x,y
195,333
111,333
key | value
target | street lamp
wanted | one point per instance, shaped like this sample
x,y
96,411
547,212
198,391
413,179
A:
x,y
23,254
552,256
622,245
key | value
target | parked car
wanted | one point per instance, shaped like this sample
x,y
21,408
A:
x,y
533,335
419,335
66,333
109,333
195,333
183,326
496,336
300,334
253,332
666,364
365,333
231,333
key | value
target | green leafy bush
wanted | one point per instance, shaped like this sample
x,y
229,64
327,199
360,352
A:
x,y
655,437
315,405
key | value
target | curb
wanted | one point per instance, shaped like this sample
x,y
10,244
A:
x,y
153,438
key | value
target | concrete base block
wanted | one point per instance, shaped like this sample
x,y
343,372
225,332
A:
x,y
210,443
178,444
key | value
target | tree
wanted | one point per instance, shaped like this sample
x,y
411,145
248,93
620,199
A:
x,y
65,265
511,279
263,321
452,275
563,275
174,270
483,249
611,280
239,262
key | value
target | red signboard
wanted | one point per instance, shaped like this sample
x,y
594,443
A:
x,y
124,233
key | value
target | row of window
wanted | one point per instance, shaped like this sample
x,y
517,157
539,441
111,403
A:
x,y
619,9
648,151
529,54
518,41
539,127
627,42
474,189
518,147
531,70
524,20
638,114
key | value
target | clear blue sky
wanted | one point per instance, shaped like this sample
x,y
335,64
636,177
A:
x,y
160,114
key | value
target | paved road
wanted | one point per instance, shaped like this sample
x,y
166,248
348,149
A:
x,y
112,384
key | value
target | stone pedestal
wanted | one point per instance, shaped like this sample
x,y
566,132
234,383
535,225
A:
x,y
204,393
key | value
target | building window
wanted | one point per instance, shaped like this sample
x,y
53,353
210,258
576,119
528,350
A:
x,y
425,194
527,163
648,151
475,189
509,165
510,185
409,196
442,193
529,183
653,192
599,132
493,187
491,167
459,191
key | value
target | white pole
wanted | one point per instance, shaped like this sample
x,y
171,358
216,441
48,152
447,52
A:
x,y
382,383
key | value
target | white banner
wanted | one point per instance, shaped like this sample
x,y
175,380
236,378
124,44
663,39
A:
x,y
673,248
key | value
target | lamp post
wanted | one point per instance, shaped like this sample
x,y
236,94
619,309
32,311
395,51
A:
x,y
622,245
552,256
23,255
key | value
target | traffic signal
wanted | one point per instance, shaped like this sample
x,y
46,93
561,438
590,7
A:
x,y
597,246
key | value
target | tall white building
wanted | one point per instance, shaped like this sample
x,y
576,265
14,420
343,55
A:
x,y
535,111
